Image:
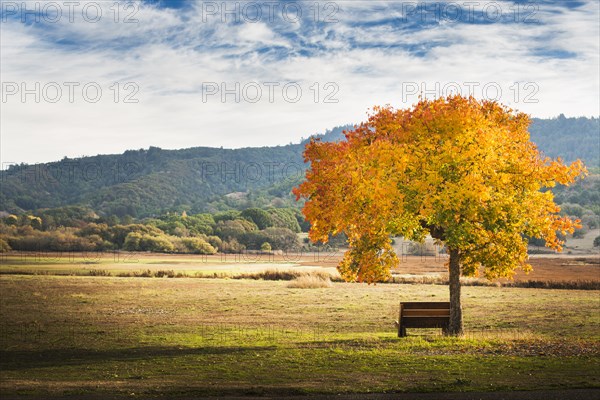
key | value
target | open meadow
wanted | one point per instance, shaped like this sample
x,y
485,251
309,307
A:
x,y
550,268
353,200
111,336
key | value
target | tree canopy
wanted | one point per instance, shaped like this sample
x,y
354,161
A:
x,y
461,170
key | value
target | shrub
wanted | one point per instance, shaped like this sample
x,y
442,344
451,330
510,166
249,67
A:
x,y
92,228
4,247
309,282
11,220
197,245
132,241
34,222
270,275
282,239
215,242
284,218
580,233
120,232
234,229
99,272
232,246
226,216
261,218
58,240
590,220
161,273
157,244
572,209
136,241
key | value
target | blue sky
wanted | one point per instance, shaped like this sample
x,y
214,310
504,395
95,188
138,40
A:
x,y
175,73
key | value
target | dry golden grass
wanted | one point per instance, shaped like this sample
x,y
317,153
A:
x,y
310,282
546,268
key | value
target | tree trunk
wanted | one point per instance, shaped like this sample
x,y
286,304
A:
x,y
456,322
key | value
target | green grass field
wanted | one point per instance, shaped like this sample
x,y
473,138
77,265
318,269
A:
x,y
132,337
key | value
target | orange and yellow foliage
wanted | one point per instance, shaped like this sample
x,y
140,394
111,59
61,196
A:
x,y
459,169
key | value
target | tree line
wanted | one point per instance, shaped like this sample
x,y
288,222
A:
x,y
77,228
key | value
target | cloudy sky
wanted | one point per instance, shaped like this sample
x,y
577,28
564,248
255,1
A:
x,y
102,77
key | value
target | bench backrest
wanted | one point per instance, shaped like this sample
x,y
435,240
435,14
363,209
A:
x,y
425,309
423,315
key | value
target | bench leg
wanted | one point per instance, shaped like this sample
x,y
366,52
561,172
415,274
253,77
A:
x,y
445,330
401,329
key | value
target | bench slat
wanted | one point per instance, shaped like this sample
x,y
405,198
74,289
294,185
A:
x,y
425,322
426,313
426,305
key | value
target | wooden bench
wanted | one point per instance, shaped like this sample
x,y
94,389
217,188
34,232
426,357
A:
x,y
423,315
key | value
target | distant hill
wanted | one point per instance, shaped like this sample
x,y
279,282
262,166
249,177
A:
x,y
148,182
568,138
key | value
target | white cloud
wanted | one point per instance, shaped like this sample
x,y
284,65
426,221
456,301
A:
x,y
371,54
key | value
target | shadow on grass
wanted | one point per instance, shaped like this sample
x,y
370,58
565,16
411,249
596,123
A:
x,y
178,392
412,339
14,360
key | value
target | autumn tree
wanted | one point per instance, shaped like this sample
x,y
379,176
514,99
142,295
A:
x,y
458,169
